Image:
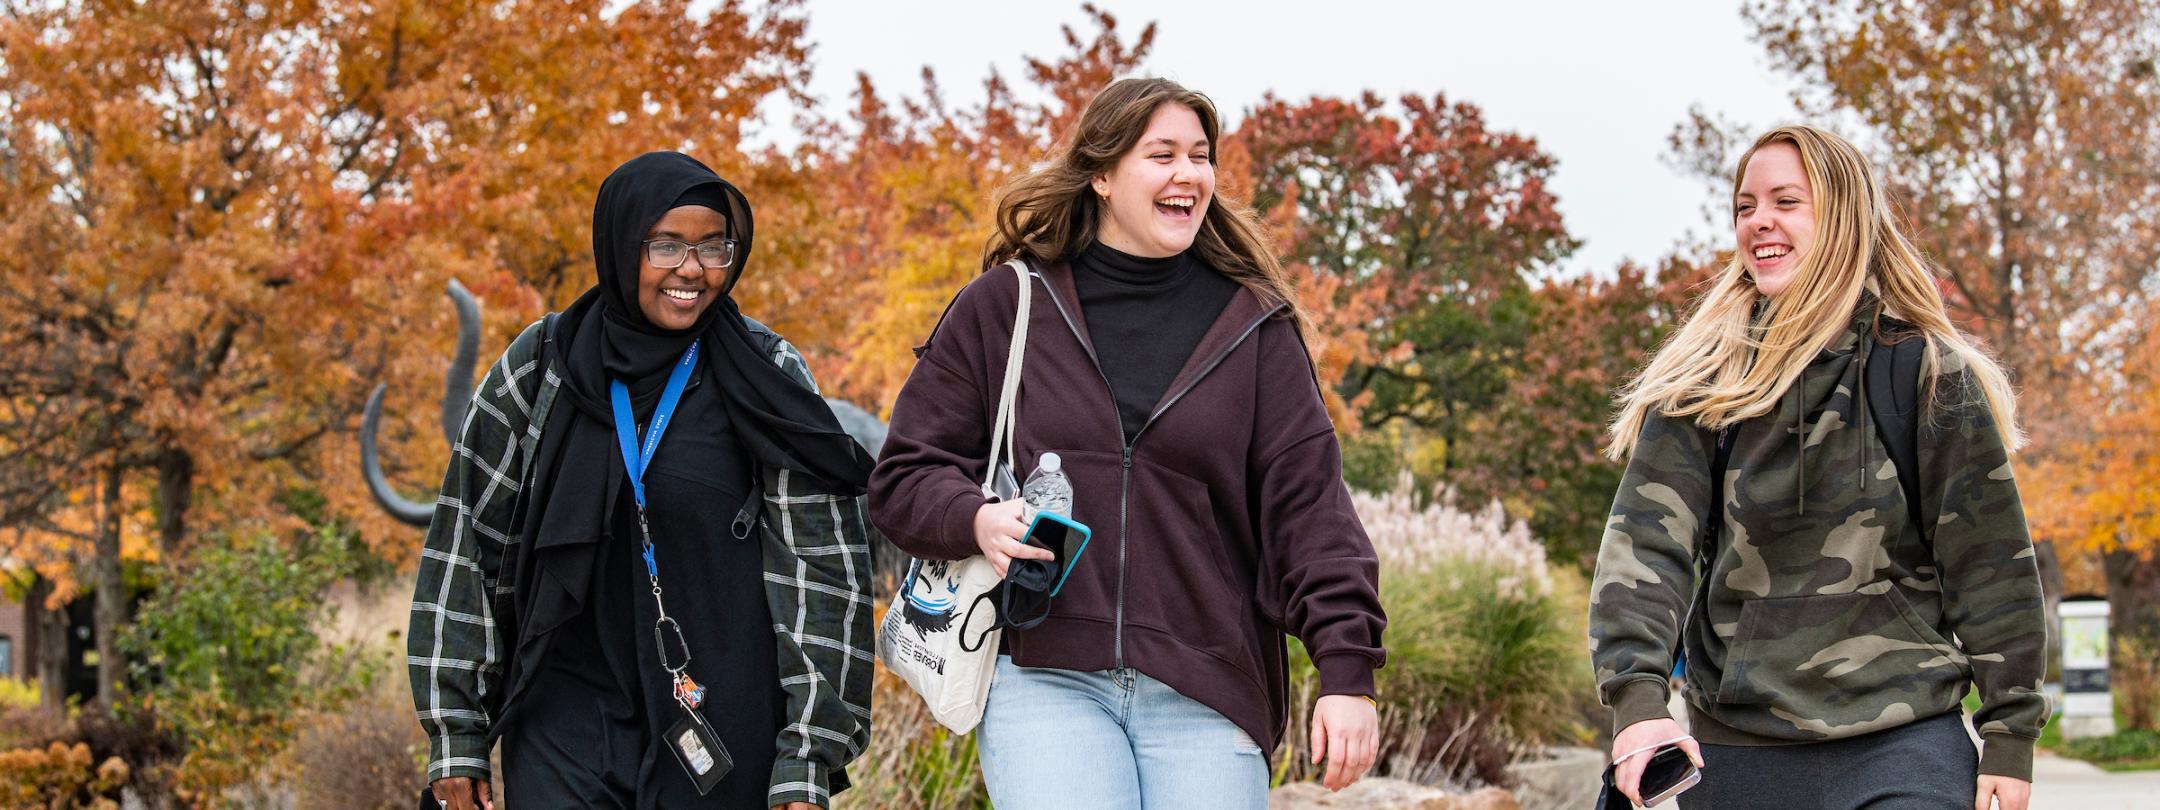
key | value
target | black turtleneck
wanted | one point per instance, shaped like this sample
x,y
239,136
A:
x,y
1145,316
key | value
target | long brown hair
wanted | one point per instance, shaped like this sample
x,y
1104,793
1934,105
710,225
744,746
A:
x,y
1721,368
1050,213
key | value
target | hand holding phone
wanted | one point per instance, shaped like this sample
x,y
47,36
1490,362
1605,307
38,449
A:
x,y
1629,780
1668,773
1064,537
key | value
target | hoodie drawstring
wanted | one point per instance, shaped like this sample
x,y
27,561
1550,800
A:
x,y
1860,404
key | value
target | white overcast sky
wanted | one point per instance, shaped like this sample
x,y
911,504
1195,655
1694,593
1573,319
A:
x,y
1599,84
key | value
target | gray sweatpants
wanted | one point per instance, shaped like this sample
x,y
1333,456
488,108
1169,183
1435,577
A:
x,y
1928,765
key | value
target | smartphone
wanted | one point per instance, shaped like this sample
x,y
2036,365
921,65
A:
x,y
1063,536
1668,773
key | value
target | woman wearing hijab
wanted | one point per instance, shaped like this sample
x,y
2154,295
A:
x,y
648,569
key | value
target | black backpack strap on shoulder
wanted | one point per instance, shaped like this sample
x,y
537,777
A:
x,y
768,341
1893,394
1721,447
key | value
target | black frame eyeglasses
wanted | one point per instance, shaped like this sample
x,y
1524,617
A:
x,y
712,254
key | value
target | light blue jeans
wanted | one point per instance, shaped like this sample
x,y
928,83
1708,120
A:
x,y
1054,738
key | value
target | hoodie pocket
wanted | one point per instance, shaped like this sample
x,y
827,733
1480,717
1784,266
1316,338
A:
x,y
1848,654
1178,577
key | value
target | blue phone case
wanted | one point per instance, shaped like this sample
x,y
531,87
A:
x,y
1071,526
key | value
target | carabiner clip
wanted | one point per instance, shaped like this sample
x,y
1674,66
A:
x,y
681,643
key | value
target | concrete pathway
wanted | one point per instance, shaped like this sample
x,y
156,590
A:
x,y
2068,784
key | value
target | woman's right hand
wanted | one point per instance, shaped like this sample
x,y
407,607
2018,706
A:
x,y
1634,740
998,529
464,793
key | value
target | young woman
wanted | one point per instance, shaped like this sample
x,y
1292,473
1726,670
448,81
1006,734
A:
x,y
1165,366
649,529
1837,622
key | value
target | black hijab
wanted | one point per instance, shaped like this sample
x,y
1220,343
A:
x,y
604,336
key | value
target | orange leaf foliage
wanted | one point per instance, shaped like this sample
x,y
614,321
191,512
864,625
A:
x,y
222,221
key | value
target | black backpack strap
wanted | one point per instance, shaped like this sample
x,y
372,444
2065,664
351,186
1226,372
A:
x,y
1720,460
1721,447
1893,394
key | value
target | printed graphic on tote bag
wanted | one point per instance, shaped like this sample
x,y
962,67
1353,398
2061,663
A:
x,y
931,599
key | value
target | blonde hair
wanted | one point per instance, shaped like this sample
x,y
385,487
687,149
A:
x,y
1722,367
1051,213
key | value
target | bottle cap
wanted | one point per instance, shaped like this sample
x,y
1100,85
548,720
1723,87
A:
x,y
1051,463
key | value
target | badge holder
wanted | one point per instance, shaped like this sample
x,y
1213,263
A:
x,y
700,753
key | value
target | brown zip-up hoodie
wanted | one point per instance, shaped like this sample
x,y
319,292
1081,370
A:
x,y
1223,524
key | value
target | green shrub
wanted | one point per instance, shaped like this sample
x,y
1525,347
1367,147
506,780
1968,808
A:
x,y
1473,634
227,656
1484,638
2129,749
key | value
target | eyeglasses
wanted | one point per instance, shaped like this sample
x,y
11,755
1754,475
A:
x,y
668,254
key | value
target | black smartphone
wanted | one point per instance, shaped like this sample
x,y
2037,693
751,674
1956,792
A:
x,y
1668,773
1063,536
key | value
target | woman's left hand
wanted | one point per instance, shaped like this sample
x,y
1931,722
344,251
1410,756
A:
x,y
2002,793
1346,732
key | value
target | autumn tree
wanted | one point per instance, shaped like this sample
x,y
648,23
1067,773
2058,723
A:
x,y
1444,221
2101,487
905,195
221,221
1430,244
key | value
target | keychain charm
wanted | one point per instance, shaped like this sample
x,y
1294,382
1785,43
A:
x,y
690,692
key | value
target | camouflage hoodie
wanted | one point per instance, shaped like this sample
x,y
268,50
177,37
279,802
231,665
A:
x,y
1827,611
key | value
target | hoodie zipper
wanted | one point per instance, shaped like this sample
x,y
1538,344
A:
x,y
1117,627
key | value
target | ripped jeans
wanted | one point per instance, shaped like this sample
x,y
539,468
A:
x,y
1054,738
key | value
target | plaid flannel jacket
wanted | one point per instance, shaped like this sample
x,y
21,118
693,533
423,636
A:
x,y
816,551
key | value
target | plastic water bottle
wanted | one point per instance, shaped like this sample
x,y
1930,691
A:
x,y
1047,489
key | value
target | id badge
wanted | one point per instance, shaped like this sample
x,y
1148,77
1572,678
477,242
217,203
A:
x,y
700,752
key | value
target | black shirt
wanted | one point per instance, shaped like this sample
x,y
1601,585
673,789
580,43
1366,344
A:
x,y
601,701
1145,316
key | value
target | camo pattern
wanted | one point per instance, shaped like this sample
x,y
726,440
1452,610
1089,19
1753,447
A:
x,y
1826,612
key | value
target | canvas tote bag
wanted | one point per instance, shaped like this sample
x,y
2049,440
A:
x,y
920,638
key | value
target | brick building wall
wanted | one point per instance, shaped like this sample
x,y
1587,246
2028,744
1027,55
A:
x,y
14,639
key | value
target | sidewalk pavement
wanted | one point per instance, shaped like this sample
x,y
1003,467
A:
x,y
2068,784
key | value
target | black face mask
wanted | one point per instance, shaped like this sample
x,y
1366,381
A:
x,y
1022,599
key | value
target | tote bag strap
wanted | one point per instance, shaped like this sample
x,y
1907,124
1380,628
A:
x,y
1001,436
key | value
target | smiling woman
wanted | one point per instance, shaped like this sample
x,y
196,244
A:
x,y
583,593
1848,599
1219,516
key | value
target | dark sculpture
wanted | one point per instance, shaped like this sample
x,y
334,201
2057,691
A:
x,y
457,398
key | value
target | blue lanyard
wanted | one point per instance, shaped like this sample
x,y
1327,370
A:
x,y
637,457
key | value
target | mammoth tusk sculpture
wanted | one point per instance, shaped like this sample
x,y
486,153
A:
x,y
457,398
